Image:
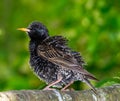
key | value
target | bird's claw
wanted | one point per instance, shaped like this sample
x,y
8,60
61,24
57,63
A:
x,y
47,88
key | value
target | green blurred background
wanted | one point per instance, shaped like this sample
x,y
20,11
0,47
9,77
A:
x,y
92,27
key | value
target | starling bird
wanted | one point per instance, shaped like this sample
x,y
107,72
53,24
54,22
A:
x,y
53,61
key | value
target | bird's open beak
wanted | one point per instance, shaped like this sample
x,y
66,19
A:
x,y
24,29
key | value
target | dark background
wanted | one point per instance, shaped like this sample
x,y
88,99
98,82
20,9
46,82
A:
x,y
92,27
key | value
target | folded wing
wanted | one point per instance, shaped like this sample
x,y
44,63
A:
x,y
55,50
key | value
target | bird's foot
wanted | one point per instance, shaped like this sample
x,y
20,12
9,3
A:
x,y
47,88
68,89
65,89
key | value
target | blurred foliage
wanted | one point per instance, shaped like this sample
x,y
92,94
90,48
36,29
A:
x,y
92,27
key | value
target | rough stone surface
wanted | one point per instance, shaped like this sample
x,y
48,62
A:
x,y
111,93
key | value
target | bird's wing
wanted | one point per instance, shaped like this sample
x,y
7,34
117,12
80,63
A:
x,y
56,51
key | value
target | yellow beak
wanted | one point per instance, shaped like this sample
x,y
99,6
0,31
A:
x,y
24,29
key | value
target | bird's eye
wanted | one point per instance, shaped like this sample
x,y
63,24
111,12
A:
x,y
40,30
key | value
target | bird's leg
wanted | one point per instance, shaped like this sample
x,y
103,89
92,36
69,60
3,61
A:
x,y
64,88
53,83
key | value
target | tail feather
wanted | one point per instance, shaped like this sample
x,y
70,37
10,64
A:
x,y
91,86
91,77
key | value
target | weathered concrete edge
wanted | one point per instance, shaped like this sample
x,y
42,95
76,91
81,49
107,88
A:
x,y
110,93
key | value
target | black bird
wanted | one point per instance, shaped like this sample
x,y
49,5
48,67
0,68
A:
x,y
53,61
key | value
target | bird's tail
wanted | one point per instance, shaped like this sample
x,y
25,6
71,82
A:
x,y
90,85
92,77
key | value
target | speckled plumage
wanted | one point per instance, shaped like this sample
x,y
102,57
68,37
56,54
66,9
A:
x,y
44,69
51,58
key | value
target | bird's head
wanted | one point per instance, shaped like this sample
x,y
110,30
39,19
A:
x,y
36,31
